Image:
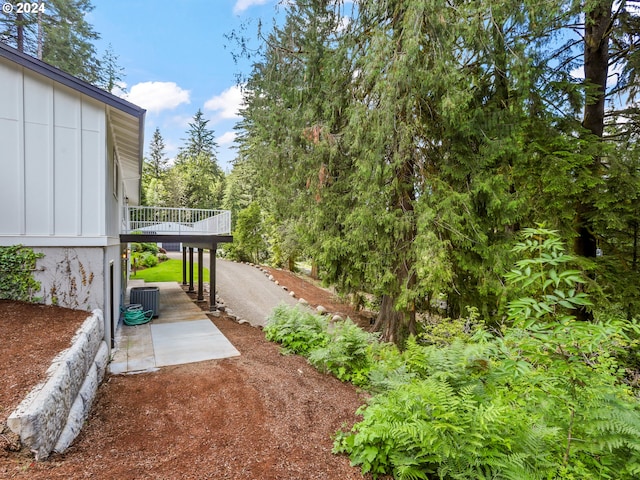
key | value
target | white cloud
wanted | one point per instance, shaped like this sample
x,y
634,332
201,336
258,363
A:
x,y
228,103
178,121
242,5
119,89
157,96
577,73
226,138
612,79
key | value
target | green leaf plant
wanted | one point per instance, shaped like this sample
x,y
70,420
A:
x,y
17,264
298,330
543,399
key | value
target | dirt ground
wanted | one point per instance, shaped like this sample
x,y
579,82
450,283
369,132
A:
x,y
307,289
258,416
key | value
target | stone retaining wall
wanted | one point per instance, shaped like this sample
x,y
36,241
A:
x,y
52,414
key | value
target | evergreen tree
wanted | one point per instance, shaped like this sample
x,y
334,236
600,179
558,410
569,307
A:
x,y
112,74
200,140
296,99
60,35
198,174
20,30
241,188
411,146
68,39
154,171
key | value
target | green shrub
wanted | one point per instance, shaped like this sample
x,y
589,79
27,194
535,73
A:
x,y
445,331
151,247
388,367
429,429
544,401
17,264
149,259
346,354
297,330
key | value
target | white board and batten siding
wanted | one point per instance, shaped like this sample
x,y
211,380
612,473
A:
x,y
53,162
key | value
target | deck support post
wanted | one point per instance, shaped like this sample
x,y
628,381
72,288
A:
x,y
184,265
191,290
213,305
200,279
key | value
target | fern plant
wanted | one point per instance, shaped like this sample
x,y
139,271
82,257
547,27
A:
x,y
298,331
346,353
543,401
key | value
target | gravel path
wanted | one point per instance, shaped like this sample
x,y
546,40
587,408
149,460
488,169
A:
x,y
247,292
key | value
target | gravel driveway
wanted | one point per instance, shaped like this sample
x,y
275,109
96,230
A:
x,y
245,290
248,292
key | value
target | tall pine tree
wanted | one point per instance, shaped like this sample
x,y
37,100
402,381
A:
x,y
57,33
196,171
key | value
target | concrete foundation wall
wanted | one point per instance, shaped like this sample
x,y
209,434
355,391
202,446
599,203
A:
x,y
72,277
52,414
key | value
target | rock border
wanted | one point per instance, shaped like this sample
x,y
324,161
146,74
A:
x,y
53,413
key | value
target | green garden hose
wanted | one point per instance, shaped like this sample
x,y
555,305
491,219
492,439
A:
x,y
135,315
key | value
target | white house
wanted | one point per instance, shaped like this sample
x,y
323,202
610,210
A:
x,y
70,158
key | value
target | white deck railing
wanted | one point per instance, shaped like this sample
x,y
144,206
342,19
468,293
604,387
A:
x,y
181,221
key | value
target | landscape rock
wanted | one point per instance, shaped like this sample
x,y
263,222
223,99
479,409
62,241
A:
x,y
54,411
302,301
321,310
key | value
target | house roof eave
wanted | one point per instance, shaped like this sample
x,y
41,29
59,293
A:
x,y
127,119
70,81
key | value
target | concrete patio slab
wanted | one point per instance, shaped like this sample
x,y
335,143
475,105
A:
x,y
182,333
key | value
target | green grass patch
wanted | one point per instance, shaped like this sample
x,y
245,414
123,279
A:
x,y
169,271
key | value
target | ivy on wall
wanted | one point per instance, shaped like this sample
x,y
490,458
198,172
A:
x,y
17,264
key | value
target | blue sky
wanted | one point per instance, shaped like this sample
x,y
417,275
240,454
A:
x,y
176,61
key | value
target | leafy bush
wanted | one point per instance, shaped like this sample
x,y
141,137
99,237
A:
x,y
447,330
544,401
145,247
151,247
429,429
17,264
248,237
346,354
149,259
297,330
231,251
388,367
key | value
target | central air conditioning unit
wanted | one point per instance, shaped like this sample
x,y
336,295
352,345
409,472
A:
x,y
148,297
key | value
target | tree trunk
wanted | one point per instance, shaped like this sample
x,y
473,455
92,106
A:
x,y
314,270
596,64
395,326
20,31
634,262
40,32
596,70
